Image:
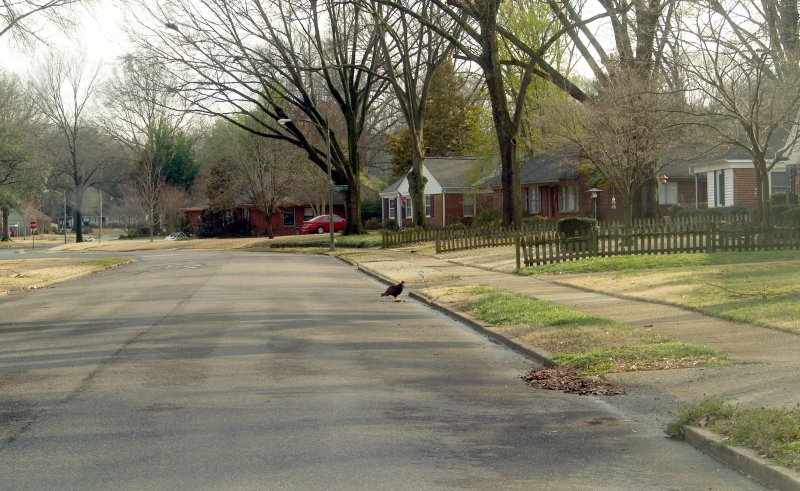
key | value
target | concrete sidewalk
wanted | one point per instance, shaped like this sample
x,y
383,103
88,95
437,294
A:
x,y
766,368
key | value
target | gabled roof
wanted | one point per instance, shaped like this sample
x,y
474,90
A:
x,y
453,172
449,173
560,164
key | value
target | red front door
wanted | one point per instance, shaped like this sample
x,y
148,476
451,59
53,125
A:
x,y
552,201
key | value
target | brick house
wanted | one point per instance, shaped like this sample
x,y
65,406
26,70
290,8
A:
x,y
730,179
450,196
555,186
286,222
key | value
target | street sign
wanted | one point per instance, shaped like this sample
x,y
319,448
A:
x,y
33,224
339,187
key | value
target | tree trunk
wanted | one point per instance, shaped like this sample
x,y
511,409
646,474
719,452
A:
x,y
416,186
268,219
353,205
78,225
762,197
505,127
5,225
509,178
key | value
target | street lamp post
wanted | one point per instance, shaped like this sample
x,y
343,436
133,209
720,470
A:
x,y
594,192
283,122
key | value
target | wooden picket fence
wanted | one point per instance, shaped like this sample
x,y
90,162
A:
x,y
666,238
460,238
479,237
541,243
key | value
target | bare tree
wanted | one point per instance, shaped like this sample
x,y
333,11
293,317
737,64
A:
x,y
411,53
478,35
275,60
173,199
264,171
19,16
140,113
21,170
746,89
626,132
63,89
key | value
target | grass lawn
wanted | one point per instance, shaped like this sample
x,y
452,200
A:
x,y
321,241
576,339
774,433
761,288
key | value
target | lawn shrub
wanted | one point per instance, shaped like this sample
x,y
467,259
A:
x,y
576,226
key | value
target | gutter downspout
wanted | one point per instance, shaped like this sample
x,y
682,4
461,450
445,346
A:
x,y
444,209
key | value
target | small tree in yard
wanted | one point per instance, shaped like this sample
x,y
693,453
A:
x,y
220,190
746,82
624,132
263,171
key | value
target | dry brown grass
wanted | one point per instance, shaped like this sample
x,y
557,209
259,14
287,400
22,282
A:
x,y
26,274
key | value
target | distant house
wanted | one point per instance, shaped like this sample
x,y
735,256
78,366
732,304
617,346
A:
x,y
450,196
553,186
286,222
730,179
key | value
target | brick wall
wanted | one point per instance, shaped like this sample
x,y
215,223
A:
x,y
744,188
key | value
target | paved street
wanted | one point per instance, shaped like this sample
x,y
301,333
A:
x,y
214,370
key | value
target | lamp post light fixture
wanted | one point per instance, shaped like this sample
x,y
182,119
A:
x,y
283,122
594,192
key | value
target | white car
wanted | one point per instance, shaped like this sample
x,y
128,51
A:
x,y
176,236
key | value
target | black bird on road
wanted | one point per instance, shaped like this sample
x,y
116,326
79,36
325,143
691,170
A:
x,y
394,290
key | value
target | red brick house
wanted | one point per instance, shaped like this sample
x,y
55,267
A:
x,y
553,186
286,222
730,180
450,197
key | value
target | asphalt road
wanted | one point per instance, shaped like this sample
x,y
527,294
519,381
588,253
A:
x,y
205,370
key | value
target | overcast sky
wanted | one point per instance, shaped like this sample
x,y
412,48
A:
x,y
98,34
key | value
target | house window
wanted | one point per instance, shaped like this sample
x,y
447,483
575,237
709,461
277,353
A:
x,y
308,213
668,193
568,197
469,205
392,208
719,191
246,215
778,182
288,217
408,207
533,201
428,205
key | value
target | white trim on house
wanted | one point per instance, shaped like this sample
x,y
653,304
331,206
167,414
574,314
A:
x,y
725,199
711,170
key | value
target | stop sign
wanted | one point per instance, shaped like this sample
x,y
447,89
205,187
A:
x,y
33,224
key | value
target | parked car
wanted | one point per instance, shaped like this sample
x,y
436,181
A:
x,y
322,223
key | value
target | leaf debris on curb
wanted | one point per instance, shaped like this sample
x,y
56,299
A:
x,y
570,381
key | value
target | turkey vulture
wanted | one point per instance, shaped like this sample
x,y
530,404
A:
x,y
394,290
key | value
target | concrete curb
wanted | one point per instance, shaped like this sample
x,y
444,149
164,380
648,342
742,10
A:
x,y
744,459
472,323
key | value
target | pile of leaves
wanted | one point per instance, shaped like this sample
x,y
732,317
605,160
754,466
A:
x,y
570,381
